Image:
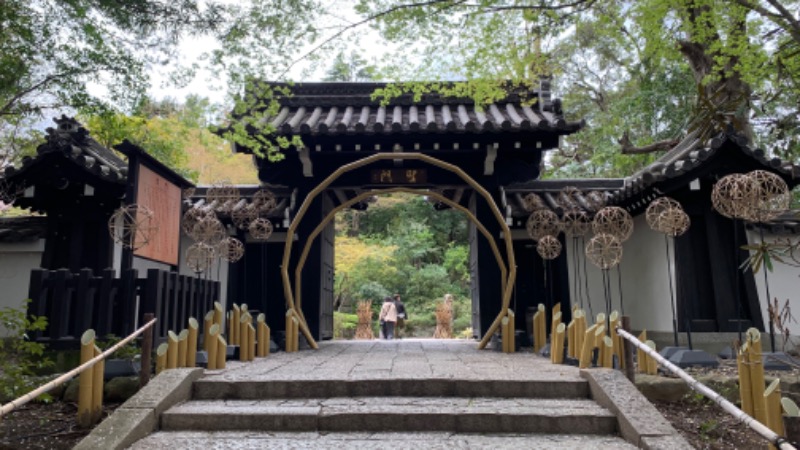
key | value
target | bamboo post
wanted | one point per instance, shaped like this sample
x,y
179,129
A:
x,y
652,364
580,332
504,335
616,342
557,346
85,390
222,352
97,386
554,324
219,315
213,347
745,384
791,419
268,339
295,334
242,336
235,334
183,346
191,348
641,356
207,322
571,339
261,350
147,352
542,326
601,319
607,350
556,309
512,331
231,326
756,366
536,338
588,346
161,358
251,341
772,401
172,350
627,351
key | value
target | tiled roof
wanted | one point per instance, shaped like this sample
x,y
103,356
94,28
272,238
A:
x,y
337,108
22,229
73,142
589,195
787,223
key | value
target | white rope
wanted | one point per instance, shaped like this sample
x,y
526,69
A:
x,y
729,407
16,403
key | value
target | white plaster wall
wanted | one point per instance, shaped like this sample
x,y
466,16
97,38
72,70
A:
x,y
16,262
783,281
645,284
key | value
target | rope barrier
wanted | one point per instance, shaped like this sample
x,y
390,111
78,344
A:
x,y
758,427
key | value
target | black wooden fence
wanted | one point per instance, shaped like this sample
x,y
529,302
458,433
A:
x,y
75,302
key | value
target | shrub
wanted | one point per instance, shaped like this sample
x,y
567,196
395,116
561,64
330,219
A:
x,y
20,358
344,325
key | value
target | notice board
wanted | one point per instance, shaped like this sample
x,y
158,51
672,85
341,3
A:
x,y
164,199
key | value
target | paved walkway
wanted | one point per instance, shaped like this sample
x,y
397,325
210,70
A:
x,y
402,358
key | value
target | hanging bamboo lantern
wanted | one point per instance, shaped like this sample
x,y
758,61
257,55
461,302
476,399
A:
x,y
604,251
230,249
132,226
260,229
541,223
615,221
769,196
199,257
548,247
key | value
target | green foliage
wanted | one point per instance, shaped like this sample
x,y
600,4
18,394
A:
x,y
20,358
344,325
128,351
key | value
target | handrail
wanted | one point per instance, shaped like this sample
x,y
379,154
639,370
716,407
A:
x,y
12,405
729,407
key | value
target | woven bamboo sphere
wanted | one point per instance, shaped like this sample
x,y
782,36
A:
x,y
222,191
199,256
548,247
674,222
541,223
8,192
604,251
260,229
596,200
568,197
575,223
657,207
209,230
190,219
132,226
264,201
532,202
729,196
615,221
230,249
243,216
770,196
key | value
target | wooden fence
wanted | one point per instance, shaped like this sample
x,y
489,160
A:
x,y
75,302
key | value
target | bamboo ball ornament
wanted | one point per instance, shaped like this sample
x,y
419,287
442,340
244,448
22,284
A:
x,y
225,194
596,200
230,249
674,222
548,247
8,192
656,208
568,196
190,219
541,223
532,202
260,229
604,251
209,230
243,216
729,196
575,223
769,197
615,221
132,226
199,256
264,202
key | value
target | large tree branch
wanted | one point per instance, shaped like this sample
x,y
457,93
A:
x,y
629,149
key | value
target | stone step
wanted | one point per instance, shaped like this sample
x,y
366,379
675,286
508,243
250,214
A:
x,y
190,440
419,414
209,389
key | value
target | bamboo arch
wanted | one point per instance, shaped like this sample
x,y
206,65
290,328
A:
x,y
506,285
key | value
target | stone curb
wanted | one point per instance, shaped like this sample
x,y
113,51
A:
x,y
639,422
138,417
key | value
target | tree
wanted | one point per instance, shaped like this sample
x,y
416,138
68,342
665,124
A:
x,y
350,68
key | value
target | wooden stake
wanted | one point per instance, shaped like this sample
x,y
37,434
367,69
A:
x,y
147,352
85,390
627,351
191,348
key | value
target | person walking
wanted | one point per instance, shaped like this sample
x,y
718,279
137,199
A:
x,y
388,318
401,315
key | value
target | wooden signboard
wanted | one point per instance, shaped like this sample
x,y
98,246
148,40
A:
x,y
398,176
164,199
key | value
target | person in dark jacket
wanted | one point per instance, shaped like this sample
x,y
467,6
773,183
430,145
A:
x,y
401,315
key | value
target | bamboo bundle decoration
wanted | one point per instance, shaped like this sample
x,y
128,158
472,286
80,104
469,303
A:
x,y
364,326
161,358
756,366
444,322
191,349
263,343
557,344
505,335
213,346
222,352
571,339
772,401
97,386
172,350
652,364
85,380
234,334
219,314
512,331
588,346
607,352
207,322
641,356
183,346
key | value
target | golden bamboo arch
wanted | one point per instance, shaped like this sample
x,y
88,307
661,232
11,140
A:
x,y
506,285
